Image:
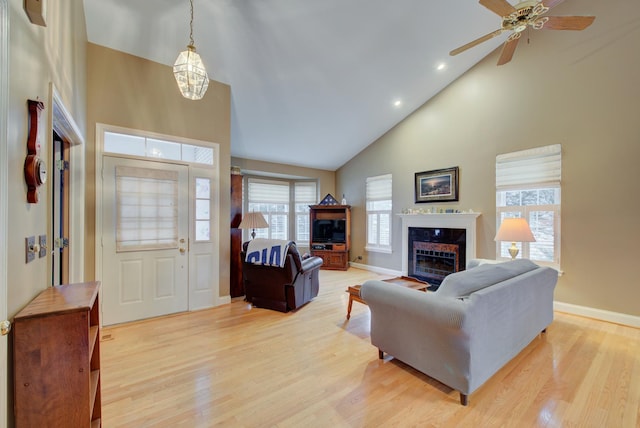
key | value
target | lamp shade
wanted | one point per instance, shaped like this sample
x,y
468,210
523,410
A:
x,y
253,220
514,230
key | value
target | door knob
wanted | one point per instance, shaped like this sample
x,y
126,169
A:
x,y
5,327
182,250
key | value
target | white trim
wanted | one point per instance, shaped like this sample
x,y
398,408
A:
x,y
223,300
383,250
375,269
465,221
4,188
63,123
598,314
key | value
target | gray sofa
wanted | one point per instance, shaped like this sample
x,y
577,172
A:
x,y
463,333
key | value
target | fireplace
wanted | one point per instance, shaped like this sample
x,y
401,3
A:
x,y
434,253
447,243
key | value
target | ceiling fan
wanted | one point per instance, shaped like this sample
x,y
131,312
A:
x,y
523,15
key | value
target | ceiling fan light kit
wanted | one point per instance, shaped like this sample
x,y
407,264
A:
x,y
518,18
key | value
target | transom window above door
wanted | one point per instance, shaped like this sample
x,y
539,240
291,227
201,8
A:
x,y
134,145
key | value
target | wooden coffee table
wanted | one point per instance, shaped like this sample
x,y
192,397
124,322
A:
x,y
403,281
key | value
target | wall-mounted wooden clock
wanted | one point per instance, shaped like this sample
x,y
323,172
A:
x,y
35,169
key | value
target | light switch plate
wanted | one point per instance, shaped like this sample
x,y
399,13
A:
x,y
29,242
43,246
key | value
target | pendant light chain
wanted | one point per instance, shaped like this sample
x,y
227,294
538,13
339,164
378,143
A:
x,y
191,42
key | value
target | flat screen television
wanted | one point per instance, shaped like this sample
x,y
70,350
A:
x,y
333,231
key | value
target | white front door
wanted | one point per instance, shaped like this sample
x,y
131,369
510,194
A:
x,y
145,232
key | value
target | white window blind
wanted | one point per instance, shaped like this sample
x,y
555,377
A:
x,y
378,188
271,198
538,166
528,186
268,192
378,195
147,213
305,194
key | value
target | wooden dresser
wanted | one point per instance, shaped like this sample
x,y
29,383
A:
x,y
56,358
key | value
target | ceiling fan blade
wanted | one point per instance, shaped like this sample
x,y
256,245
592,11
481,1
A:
x,y
476,42
499,7
551,3
568,22
507,50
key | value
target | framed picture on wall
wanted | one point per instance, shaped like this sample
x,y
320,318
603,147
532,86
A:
x,y
439,185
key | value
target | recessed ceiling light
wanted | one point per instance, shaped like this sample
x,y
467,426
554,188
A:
x,y
441,66
397,103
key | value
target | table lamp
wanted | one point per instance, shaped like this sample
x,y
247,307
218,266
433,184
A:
x,y
253,220
514,230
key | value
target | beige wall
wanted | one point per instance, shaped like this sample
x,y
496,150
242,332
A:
x,y
327,179
38,56
578,89
132,92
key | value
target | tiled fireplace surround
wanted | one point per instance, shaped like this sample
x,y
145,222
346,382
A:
x,y
466,221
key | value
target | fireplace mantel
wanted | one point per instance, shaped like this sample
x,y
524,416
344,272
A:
x,y
465,221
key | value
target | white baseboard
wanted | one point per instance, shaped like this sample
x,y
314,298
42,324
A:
x,y
599,314
583,311
223,300
375,269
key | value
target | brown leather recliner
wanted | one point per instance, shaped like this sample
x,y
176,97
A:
x,y
281,288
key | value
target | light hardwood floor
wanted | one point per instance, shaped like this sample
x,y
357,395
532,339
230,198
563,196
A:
x,y
237,366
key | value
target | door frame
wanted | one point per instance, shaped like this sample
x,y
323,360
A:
x,y
59,209
204,300
63,124
4,188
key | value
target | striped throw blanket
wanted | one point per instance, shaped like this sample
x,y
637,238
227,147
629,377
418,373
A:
x,y
270,252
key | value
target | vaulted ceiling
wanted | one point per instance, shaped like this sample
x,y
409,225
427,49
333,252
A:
x,y
313,82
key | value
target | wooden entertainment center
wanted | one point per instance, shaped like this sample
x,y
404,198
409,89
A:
x,y
333,249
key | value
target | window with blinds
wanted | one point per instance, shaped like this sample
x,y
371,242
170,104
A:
x,y
378,195
305,194
146,205
271,198
528,186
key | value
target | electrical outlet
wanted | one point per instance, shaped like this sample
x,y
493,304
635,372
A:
x,y
43,246
29,250
359,258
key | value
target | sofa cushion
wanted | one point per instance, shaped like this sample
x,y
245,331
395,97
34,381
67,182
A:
x,y
463,283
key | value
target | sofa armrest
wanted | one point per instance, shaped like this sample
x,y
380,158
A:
x,y
311,263
429,332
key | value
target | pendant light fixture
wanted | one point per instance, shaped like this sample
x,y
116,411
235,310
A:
x,y
189,70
